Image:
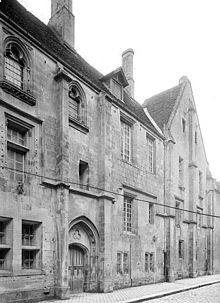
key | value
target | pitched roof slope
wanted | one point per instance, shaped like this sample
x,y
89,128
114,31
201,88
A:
x,y
47,39
161,105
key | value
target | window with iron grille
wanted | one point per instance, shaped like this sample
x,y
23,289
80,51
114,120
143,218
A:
x,y
119,263
31,244
149,262
125,141
28,259
127,214
14,66
28,234
5,243
122,263
2,232
125,263
150,154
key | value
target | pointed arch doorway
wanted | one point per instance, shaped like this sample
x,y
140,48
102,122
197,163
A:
x,y
83,256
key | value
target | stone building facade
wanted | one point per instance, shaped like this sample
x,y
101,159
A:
x,y
86,171
188,183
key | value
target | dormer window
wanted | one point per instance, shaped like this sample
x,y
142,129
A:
x,y
117,89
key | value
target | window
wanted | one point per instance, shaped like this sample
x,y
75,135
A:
x,y
117,89
127,213
178,215
199,217
196,137
14,65
17,148
5,243
125,141
150,154
31,242
77,104
119,266
183,125
84,175
122,263
125,263
181,172
17,70
149,262
181,249
151,213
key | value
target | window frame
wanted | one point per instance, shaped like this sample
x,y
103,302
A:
x,y
151,153
6,245
149,262
181,173
181,249
127,213
122,263
151,215
13,146
34,248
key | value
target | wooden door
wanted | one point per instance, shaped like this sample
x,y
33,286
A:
x,y
76,269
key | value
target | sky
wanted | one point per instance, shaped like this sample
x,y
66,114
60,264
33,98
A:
x,y
170,39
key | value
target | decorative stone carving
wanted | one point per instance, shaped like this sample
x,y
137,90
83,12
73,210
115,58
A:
x,y
76,235
17,92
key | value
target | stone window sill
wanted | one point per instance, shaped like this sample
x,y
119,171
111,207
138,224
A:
x,y
17,92
78,125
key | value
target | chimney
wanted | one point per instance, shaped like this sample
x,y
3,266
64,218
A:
x,y
62,20
127,65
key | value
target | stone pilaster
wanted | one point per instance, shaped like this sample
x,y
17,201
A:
x,y
170,219
105,248
193,195
62,202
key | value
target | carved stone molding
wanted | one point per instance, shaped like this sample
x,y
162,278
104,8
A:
x,y
17,92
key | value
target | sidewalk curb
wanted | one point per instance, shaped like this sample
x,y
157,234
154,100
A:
x,y
165,294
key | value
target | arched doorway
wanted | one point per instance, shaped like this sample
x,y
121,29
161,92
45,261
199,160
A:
x,y
83,256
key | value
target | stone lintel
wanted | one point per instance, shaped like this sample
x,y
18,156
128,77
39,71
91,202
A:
x,y
189,222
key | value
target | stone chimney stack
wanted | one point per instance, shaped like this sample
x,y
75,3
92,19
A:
x,y
127,65
62,20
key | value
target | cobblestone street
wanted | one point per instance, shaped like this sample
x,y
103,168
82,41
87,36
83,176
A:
x,y
207,294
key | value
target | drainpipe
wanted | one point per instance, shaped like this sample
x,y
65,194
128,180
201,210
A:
x,y
130,263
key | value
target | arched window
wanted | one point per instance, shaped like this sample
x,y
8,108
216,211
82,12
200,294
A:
x,y
17,70
14,65
77,103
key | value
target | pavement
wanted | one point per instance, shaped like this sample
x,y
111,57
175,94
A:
x,y
142,293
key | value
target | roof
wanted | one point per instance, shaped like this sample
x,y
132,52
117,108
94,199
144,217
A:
x,y
45,37
117,72
160,106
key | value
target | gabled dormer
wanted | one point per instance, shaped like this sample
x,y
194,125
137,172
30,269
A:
x,y
116,82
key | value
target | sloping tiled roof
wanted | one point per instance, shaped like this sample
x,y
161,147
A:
x,y
46,38
161,105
